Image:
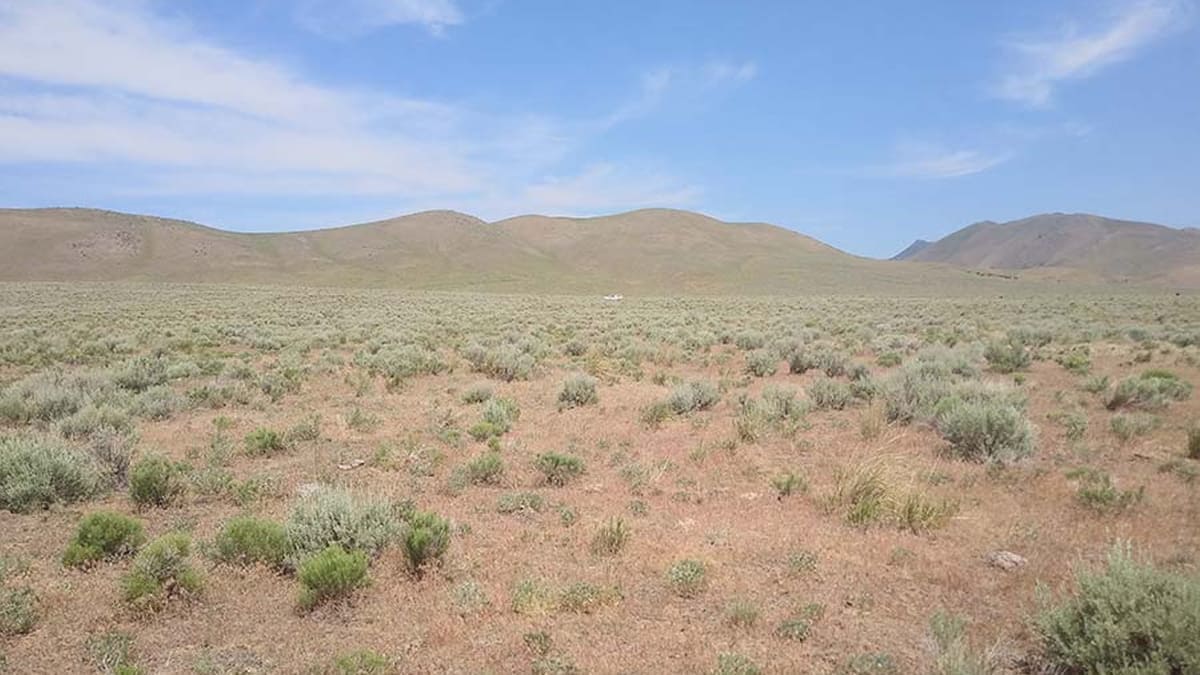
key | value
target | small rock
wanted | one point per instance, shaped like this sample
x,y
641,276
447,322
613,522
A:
x,y
1005,560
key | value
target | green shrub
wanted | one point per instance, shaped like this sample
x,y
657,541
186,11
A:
x,y
693,396
827,394
1007,356
611,538
161,571
1127,618
18,611
331,574
687,578
761,363
37,471
988,429
426,540
558,469
103,535
578,390
328,516
911,393
264,442
155,481
246,540
1151,390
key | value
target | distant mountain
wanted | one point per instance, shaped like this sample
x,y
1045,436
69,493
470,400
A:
x,y
647,252
1079,245
913,249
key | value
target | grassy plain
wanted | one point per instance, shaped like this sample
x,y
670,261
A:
x,y
562,484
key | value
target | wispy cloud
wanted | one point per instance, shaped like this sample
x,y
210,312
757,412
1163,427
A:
x,y
921,160
160,109
1037,65
681,82
344,18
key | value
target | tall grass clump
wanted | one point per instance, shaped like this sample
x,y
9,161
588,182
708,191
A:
x,y
954,655
779,410
1129,617
37,471
329,515
103,535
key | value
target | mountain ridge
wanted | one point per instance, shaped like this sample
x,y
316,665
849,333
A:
x,y
646,251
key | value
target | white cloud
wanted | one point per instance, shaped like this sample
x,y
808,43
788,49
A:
x,y
1039,65
677,83
343,18
153,107
920,160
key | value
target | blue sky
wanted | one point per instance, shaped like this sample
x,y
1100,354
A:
x,y
865,125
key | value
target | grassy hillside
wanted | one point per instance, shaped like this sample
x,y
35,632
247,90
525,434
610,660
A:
x,y
648,252
1103,248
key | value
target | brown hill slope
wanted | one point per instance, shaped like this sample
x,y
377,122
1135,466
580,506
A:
x,y
1112,250
648,252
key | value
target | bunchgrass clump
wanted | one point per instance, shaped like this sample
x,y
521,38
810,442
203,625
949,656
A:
x,y
953,653
558,469
732,663
37,471
611,538
248,540
103,535
1098,492
520,502
1128,617
788,483
111,653
331,574
161,571
1128,426
798,627
477,393
1192,447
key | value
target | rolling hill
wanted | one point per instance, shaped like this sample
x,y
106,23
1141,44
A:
x,y
1078,246
646,252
